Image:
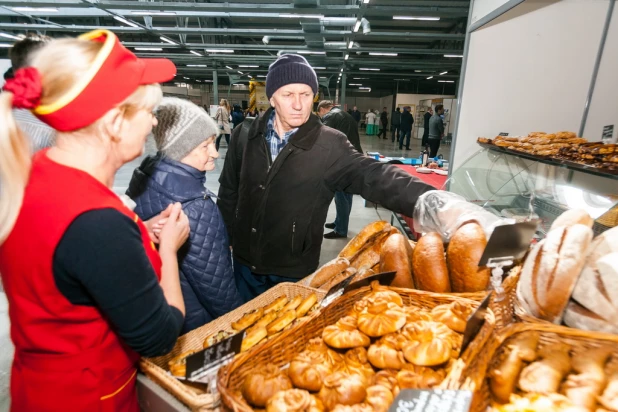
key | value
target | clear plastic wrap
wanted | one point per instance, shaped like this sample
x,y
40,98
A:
x,y
444,212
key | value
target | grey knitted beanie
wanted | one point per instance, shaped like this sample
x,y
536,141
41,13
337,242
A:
x,y
288,69
182,126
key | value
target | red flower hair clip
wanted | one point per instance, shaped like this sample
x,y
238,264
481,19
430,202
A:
x,y
26,88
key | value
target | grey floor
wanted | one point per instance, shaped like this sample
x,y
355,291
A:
x,y
360,215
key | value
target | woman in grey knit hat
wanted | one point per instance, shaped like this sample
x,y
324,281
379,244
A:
x,y
185,137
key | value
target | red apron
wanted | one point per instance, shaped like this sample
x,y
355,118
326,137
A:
x,y
67,357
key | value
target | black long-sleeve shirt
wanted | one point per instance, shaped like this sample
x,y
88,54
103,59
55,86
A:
x,y
100,261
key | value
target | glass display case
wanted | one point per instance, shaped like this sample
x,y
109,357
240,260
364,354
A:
x,y
524,187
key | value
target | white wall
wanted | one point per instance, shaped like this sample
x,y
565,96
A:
x,y
481,8
529,70
403,98
604,103
5,64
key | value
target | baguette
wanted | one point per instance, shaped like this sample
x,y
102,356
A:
x,y
351,271
364,236
462,256
370,255
429,264
394,256
328,271
573,217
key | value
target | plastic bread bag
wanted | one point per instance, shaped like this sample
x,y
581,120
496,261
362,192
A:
x,y
445,212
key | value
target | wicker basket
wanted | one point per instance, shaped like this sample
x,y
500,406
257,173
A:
x,y
194,396
475,372
282,350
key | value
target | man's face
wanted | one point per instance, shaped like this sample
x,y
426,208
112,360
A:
x,y
355,108
293,104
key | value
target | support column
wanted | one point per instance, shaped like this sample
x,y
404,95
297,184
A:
x,y
343,86
215,86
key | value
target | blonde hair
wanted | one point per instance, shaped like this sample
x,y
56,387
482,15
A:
x,y
226,105
61,64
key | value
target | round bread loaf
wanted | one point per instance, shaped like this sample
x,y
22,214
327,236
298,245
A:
x,y
462,256
573,217
429,264
395,257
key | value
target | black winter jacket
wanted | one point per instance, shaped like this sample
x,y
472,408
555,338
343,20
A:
x,y
276,211
345,123
206,273
396,118
406,121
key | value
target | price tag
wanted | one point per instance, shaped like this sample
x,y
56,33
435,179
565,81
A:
x,y
383,278
335,292
503,134
608,133
509,241
431,400
203,365
475,323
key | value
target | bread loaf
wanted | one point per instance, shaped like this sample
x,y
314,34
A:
x,y
395,256
578,317
429,264
364,236
573,217
328,271
462,256
351,271
544,376
370,255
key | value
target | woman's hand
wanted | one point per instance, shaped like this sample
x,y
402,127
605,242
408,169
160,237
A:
x,y
155,224
175,231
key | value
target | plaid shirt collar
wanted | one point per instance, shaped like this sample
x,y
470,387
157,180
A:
x,y
276,142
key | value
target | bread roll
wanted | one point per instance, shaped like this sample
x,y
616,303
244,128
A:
x,y
379,398
281,322
419,377
294,400
427,344
276,305
415,314
573,217
462,256
609,399
364,236
383,293
344,334
306,304
253,337
328,271
248,319
454,315
308,370
263,383
342,389
293,304
331,357
395,257
360,407
544,376
584,387
388,379
381,318
385,354
357,363
429,264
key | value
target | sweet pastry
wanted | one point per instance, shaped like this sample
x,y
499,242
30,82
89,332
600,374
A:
x,y
429,264
544,376
462,257
609,399
427,343
342,389
308,370
306,304
293,304
383,293
379,398
281,322
416,314
584,387
330,356
277,305
361,407
381,318
248,319
344,334
178,364
266,320
328,271
419,377
216,338
454,315
364,236
385,353
534,402
253,336
294,400
357,362
503,377
263,383
395,256
388,379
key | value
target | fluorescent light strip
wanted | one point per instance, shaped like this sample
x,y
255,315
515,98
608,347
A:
x,y
229,67
196,53
10,36
321,77
347,56
310,52
360,78
446,81
319,68
383,54
402,80
417,71
148,49
416,18
41,9
261,75
125,21
430,77
367,69
186,78
351,44
199,81
354,84
443,73
342,70
196,65
365,1
240,72
165,39
357,26
301,16
5,45
220,51
453,55
153,13
246,65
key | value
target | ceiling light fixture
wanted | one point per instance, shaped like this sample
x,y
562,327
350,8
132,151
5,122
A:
x,y
229,67
453,55
40,9
219,51
10,36
319,68
153,13
310,52
430,77
360,78
351,44
446,81
365,1
347,56
196,65
357,26
6,45
125,21
148,49
443,73
246,65
402,80
165,39
368,69
185,78
417,71
301,16
321,77
383,54
365,88
261,75
342,70
196,53
416,18
240,72
354,84
199,81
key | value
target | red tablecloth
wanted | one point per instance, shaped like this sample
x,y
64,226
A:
x,y
432,179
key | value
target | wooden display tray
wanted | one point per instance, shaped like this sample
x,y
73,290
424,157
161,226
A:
x,y
193,395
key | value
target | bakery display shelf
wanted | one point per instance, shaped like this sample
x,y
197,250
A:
x,y
281,350
612,174
195,396
475,377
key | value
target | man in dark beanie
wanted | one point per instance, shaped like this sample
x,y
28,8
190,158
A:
x,y
274,197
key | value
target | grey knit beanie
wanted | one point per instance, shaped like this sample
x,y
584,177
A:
x,y
288,69
182,126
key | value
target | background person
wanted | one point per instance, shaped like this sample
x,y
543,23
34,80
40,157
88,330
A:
x,y
396,124
426,118
333,116
406,127
370,118
237,116
88,291
436,131
384,122
356,115
223,120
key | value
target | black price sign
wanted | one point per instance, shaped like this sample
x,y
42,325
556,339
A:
x,y
509,241
210,359
608,132
383,278
503,134
432,400
475,323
